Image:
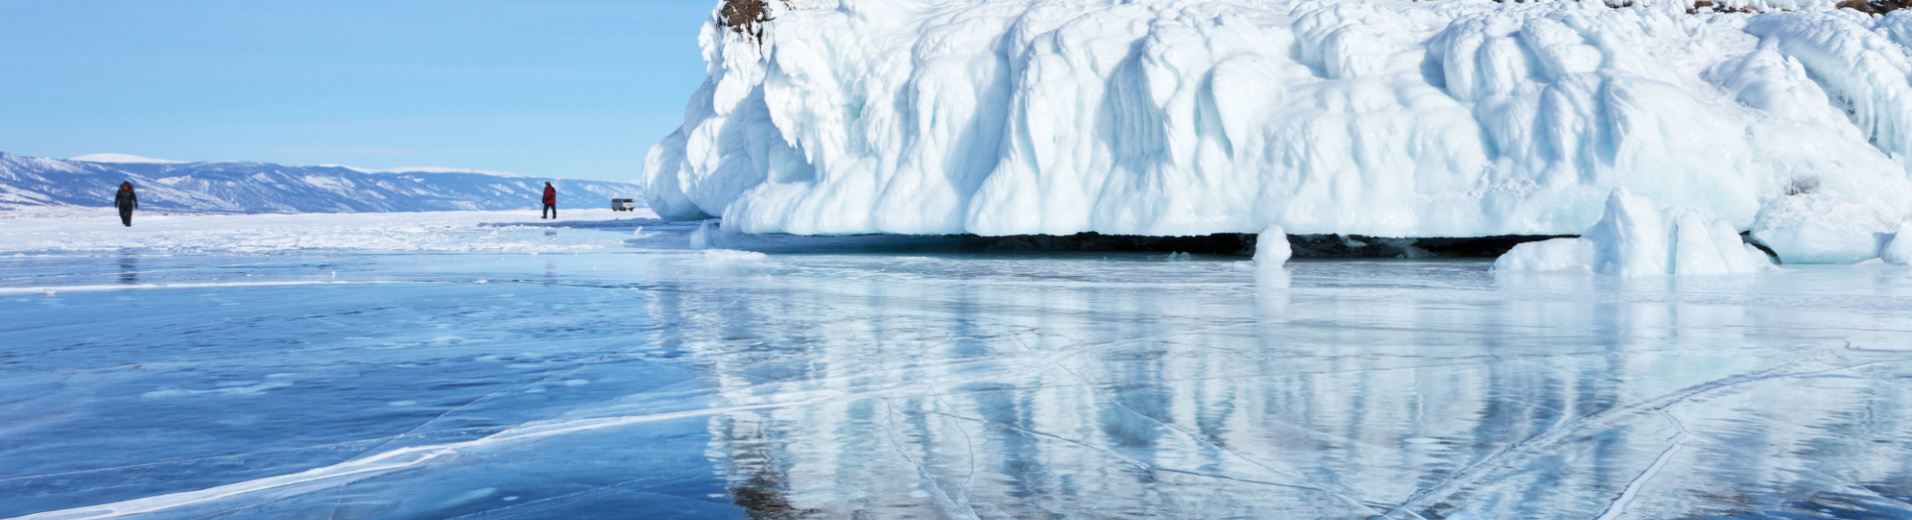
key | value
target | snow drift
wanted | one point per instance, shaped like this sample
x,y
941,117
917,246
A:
x,y
1400,119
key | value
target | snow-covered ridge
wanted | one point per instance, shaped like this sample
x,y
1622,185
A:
x,y
427,169
122,158
1398,119
254,187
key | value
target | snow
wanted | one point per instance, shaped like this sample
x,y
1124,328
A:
x,y
1821,228
482,363
1389,119
324,182
1896,248
451,373
427,169
231,187
121,158
79,230
1637,238
729,255
1271,247
440,169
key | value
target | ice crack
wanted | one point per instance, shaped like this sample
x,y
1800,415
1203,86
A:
x,y
1674,445
1512,455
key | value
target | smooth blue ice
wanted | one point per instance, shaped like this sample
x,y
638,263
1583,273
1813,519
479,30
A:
x,y
922,378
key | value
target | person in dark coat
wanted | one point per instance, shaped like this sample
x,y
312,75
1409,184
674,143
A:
x,y
126,201
550,202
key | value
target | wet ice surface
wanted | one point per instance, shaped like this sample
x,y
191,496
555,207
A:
x,y
846,378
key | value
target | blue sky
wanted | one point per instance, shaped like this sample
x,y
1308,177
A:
x,y
562,88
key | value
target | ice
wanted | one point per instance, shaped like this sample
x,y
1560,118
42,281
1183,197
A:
x,y
702,238
1897,248
1271,247
1821,228
70,229
890,377
1387,119
1635,238
727,255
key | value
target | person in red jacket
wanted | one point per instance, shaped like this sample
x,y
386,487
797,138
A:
x,y
550,202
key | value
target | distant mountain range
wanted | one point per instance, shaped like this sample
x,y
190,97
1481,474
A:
x,y
254,187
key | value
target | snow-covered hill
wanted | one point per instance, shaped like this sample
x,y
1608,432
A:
x,y
1376,117
251,187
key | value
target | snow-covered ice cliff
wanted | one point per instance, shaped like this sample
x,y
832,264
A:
x,y
1391,118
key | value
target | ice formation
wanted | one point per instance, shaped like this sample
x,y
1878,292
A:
x,y
1636,238
1820,228
1271,247
1391,119
701,238
1897,248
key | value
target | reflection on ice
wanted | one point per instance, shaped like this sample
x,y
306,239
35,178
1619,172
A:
x,y
129,267
1341,390
726,383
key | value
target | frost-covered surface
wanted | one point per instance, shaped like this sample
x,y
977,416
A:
x,y
1397,119
253,187
868,383
1635,237
66,229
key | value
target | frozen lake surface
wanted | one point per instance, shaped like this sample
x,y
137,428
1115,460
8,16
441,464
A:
x,y
344,367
